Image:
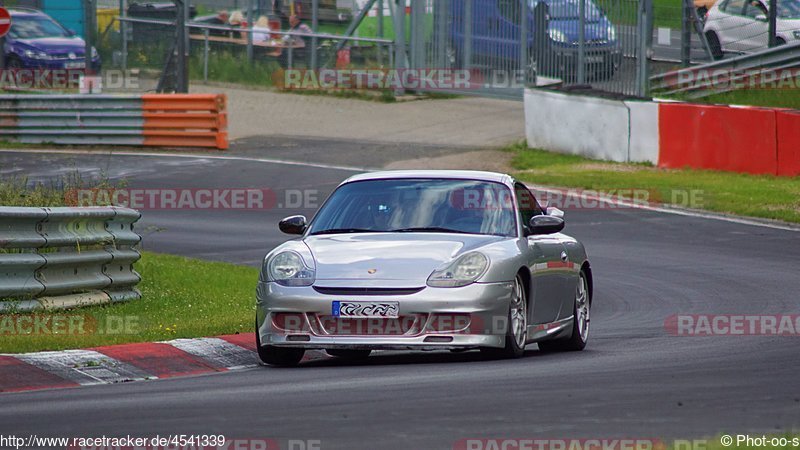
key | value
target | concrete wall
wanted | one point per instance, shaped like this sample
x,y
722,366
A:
x,y
593,127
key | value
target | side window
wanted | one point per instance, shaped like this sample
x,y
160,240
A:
x,y
734,6
509,9
527,204
755,8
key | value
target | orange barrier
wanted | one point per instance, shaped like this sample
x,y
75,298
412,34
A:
x,y
185,120
788,143
718,138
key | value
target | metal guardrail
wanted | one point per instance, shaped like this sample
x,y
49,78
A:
x,y
776,58
172,120
56,258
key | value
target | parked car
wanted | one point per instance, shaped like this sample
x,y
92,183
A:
x,y
424,260
496,35
36,40
741,26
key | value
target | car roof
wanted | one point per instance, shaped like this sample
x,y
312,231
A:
x,y
20,11
435,174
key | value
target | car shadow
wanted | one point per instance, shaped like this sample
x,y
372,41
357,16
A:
x,y
411,357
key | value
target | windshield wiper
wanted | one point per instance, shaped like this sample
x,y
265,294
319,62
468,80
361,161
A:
x,y
343,231
429,230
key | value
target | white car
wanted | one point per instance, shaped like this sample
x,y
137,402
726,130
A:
x,y
741,26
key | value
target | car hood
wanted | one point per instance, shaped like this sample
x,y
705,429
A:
x,y
56,44
396,260
596,29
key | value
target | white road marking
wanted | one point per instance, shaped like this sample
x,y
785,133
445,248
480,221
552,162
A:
x,y
191,155
675,211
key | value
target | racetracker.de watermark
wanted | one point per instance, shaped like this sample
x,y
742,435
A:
x,y
69,324
738,79
393,79
733,325
568,199
559,444
194,198
64,79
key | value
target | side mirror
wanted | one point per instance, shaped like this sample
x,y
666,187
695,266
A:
x,y
293,225
555,212
71,32
546,225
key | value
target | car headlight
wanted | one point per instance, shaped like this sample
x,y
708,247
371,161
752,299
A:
x,y
289,269
557,35
36,55
612,33
461,272
796,34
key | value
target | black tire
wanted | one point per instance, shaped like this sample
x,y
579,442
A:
x,y
713,43
350,355
575,342
513,349
276,356
779,42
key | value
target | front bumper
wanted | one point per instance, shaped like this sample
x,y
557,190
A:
x,y
472,316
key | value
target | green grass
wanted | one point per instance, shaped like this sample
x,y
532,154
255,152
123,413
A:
x,y
776,98
181,298
762,196
229,67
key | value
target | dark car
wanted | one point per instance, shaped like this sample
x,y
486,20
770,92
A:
x,y
37,41
553,31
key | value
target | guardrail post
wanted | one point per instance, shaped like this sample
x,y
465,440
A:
x,y
400,38
524,59
582,42
645,35
123,29
89,13
467,34
181,69
205,55
686,32
314,28
250,55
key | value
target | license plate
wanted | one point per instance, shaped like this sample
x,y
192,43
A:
x,y
389,310
75,65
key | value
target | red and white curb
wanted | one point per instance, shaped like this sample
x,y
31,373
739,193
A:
x,y
130,362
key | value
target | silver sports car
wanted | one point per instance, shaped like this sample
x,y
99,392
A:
x,y
424,260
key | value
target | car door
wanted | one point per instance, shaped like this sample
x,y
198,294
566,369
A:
x,y
756,32
544,252
731,24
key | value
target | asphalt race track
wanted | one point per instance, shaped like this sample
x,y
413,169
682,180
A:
x,y
634,379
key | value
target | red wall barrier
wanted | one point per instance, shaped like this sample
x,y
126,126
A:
x,y
718,138
788,143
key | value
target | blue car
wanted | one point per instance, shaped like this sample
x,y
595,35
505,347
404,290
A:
x,y
552,36
36,41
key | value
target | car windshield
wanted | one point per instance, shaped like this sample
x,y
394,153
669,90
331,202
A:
x,y
418,205
568,9
789,9
35,27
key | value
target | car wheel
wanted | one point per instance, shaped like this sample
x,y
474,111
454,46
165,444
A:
x,y
580,324
350,355
713,43
276,356
779,41
517,329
